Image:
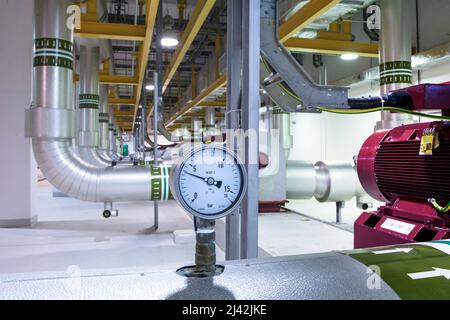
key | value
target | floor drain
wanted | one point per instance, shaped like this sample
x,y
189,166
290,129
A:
x,y
190,272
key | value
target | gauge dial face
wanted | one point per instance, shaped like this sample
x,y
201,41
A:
x,y
210,182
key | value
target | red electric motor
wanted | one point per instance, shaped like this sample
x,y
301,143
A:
x,y
408,168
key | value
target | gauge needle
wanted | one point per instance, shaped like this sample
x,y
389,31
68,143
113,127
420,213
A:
x,y
209,181
204,179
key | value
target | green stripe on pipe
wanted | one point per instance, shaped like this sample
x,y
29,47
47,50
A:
x,y
52,61
166,185
395,65
395,79
89,101
395,72
89,96
156,183
53,43
53,52
59,53
169,193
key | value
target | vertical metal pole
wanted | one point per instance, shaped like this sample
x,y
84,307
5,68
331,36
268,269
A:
x,y
234,67
339,206
250,124
157,102
143,114
155,138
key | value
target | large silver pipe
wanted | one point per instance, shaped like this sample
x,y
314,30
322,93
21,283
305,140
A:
x,y
51,123
281,121
103,121
335,181
210,117
88,137
395,56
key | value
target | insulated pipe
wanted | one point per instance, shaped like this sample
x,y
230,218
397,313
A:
x,y
210,118
280,121
210,122
328,182
88,137
111,138
103,121
395,56
50,123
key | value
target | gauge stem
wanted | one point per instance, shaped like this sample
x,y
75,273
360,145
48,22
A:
x,y
205,248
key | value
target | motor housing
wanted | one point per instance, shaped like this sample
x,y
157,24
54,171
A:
x,y
405,167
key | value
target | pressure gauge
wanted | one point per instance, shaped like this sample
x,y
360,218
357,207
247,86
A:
x,y
209,181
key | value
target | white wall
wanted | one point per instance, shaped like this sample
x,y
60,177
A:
x,y
17,167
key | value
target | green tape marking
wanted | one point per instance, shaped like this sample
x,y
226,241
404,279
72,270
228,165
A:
x,y
160,189
395,72
89,101
53,52
419,273
156,183
393,65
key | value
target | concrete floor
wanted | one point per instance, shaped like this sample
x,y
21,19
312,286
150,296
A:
x,y
73,234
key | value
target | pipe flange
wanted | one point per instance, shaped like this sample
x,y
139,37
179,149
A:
x,y
193,272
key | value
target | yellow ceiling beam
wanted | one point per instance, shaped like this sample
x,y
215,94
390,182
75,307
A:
x,y
118,80
307,14
201,114
218,83
198,17
113,80
340,36
213,104
151,11
118,101
332,47
111,31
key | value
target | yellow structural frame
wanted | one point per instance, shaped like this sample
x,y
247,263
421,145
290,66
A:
x,y
218,83
199,15
144,48
112,31
326,46
327,42
307,14
118,101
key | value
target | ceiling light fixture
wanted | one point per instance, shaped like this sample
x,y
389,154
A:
x,y
149,87
349,56
169,40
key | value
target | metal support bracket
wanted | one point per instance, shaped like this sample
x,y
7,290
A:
x,y
307,95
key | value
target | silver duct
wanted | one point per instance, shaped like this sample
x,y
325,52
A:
x,y
281,121
196,129
328,182
103,121
111,131
210,117
210,122
51,123
88,137
395,56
